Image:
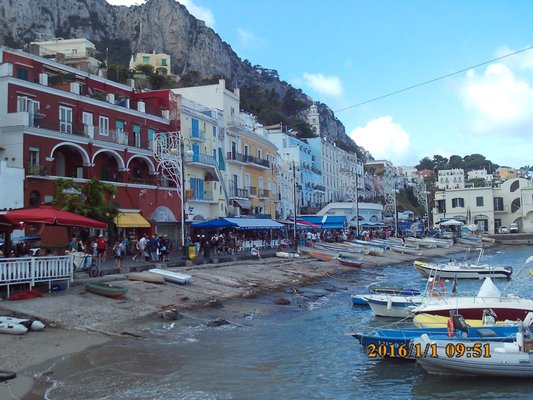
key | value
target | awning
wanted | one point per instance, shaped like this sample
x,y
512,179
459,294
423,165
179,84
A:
x,y
242,203
324,221
255,223
131,220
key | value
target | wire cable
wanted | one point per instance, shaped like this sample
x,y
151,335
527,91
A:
x,y
433,80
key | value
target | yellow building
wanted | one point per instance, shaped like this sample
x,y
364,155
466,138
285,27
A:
x,y
506,173
160,62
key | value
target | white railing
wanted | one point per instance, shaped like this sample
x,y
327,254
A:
x,y
31,270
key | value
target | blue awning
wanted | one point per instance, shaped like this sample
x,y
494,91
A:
x,y
255,223
213,224
325,221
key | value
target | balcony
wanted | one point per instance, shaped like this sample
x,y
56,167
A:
x,y
234,156
39,170
263,193
252,191
201,196
138,180
247,159
237,192
203,159
196,135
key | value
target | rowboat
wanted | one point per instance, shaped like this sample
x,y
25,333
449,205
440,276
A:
x,y
343,247
405,250
146,276
427,243
285,254
350,260
172,277
106,289
319,254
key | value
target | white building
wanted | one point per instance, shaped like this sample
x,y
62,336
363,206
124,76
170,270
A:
x,y
480,174
451,179
489,207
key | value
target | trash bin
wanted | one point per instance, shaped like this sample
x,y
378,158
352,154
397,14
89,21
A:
x,y
191,253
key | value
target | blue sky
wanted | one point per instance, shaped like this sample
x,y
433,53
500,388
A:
x,y
347,52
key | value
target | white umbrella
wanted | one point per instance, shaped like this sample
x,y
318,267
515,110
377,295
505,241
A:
x,y
451,222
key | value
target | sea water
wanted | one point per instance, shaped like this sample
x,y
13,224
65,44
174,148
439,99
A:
x,y
299,351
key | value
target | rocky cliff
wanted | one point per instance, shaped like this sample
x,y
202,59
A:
x,y
158,25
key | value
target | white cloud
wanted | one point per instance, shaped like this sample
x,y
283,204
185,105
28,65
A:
x,y
384,139
500,99
326,85
200,12
248,39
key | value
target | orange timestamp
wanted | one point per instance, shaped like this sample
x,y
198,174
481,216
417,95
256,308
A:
x,y
411,350
428,350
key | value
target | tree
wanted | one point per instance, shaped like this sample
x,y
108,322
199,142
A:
x,y
92,199
146,69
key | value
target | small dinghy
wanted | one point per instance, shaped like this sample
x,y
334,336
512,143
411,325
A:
x,y
172,277
28,324
146,276
105,289
12,329
284,254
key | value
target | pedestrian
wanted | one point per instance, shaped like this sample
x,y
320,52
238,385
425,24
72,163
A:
x,y
255,252
119,252
101,247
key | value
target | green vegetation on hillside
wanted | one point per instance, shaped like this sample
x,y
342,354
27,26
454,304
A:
x,y
467,163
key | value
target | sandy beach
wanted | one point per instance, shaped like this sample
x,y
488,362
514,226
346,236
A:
x,y
77,319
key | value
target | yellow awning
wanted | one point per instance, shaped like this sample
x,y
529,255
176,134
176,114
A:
x,y
131,220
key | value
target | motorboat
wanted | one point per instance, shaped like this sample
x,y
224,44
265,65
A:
x,y
481,358
463,269
505,307
384,288
440,321
394,306
396,342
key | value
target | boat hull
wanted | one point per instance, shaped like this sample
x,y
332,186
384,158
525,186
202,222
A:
x,y
467,271
107,290
171,276
393,306
349,261
506,360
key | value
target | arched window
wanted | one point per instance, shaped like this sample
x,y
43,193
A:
x,y
515,205
514,186
35,198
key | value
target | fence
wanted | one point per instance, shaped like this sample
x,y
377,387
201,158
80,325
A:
x,y
32,270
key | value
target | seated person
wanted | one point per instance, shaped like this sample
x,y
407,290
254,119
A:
x,y
255,252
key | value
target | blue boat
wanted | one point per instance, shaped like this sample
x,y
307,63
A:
x,y
389,341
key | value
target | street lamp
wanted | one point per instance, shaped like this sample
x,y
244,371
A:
x,y
395,214
168,150
294,202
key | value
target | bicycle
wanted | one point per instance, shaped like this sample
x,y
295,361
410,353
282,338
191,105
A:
x,y
87,264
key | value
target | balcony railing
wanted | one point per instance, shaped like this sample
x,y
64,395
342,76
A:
x,y
252,191
246,158
141,180
263,193
203,159
35,170
205,196
237,192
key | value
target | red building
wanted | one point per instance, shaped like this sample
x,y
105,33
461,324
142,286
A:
x,y
60,122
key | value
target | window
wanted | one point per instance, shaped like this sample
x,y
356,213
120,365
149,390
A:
x,y
137,135
195,131
22,73
146,60
514,186
246,150
26,104
515,205
214,131
164,62
65,119
479,201
458,202
34,162
259,154
197,185
498,204
151,135
35,198
103,125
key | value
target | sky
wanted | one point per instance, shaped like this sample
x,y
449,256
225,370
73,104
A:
x,y
407,78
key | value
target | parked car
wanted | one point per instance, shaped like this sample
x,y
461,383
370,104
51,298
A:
x,y
503,229
513,228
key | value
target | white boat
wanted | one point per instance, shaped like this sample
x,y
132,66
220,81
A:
x,y
463,357
462,270
29,324
172,277
405,250
425,242
146,276
12,329
395,306
506,307
285,254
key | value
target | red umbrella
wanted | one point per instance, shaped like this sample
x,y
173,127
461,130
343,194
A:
x,y
52,216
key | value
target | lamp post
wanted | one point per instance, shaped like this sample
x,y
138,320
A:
x,y
395,215
168,150
294,202
427,209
